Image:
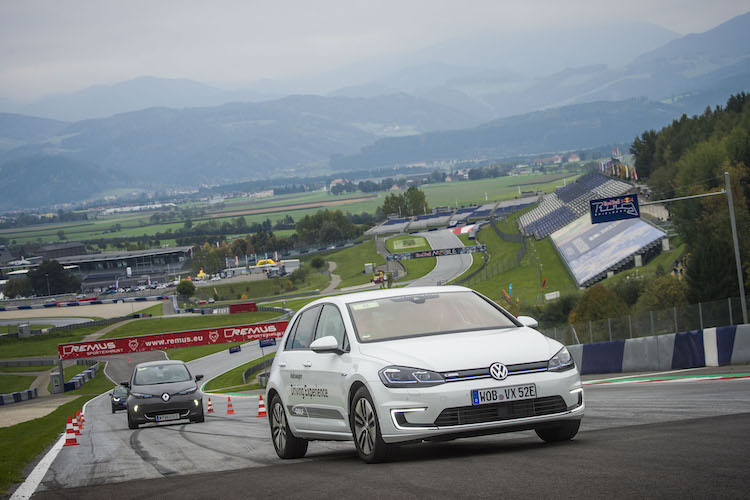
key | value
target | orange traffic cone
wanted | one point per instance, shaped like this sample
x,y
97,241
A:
x,y
76,429
70,435
230,410
210,406
262,408
81,420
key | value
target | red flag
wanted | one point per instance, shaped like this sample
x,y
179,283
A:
x,y
544,283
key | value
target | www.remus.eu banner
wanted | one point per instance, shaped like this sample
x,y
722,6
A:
x,y
156,342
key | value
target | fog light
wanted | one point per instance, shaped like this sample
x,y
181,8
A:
x,y
135,408
196,402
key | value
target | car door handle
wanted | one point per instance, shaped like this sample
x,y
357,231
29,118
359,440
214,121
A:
x,y
307,364
282,364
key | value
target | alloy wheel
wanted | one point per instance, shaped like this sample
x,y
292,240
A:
x,y
278,427
364,426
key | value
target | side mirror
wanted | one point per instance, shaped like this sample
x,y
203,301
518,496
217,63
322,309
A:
x,y
326,344
527,321
125,384
198,377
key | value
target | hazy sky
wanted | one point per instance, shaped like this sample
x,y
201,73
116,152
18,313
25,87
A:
x,y
49,46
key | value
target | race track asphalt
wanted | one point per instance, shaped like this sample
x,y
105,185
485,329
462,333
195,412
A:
x,y
658,440
447,267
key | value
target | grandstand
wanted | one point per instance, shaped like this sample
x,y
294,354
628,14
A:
x,y
463,213
589,250
436,219
568,203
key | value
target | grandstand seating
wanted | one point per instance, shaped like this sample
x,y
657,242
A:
x,y
567,203
590,250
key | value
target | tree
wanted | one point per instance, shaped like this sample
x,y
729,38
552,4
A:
x,y
51,274
662,292
186,288
17,287
318,262
597,303
61,234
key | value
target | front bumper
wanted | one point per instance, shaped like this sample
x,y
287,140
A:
x,y
446,410
189,406
119,405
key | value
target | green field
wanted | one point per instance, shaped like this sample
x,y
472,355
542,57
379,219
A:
x,y
350,263
179,324
23,369
14,383
409,243
443,194
415,268
232,379
43,345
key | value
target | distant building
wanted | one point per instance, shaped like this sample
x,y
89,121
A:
x,y
56,250
574,157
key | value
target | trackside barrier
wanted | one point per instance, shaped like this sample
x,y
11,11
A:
x,y
694,349
17,397
84,303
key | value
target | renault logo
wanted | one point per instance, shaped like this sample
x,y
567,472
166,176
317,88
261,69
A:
x,y
165,396
498,371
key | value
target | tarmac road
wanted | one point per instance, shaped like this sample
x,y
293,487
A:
x,y
675,439
447,267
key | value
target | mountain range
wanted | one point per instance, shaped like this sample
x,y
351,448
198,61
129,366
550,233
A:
x,y
395,118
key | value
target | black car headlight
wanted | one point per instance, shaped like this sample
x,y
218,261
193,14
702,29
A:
x,y
561,361
140,395
189,391
402,376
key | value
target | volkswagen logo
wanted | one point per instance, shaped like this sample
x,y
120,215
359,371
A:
x,y
165,396
498,371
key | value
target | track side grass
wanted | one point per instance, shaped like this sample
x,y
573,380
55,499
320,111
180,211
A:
x,y
415,268
233,378
350,263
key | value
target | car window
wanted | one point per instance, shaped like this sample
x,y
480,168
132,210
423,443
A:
x,y
425,314
331,323
120,391
292,331
305,328
161,374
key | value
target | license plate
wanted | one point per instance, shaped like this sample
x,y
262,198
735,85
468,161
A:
x,y
500,394
169,416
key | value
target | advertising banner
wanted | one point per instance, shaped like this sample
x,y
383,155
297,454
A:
x,y
615,208
159,341
436,252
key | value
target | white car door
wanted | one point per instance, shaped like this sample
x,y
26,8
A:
x,y
326,401
295,375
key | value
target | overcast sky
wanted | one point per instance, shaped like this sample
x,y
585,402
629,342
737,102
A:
x,y
49,46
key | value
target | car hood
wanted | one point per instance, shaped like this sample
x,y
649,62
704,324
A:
x,y
159,389
466,350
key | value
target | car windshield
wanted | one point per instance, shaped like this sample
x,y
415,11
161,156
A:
x,y
424,314
120,391
161,374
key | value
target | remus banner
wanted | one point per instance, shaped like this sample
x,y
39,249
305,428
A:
x,y
141,343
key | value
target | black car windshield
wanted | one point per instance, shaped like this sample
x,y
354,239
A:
x,y
425,314
120,391
161,374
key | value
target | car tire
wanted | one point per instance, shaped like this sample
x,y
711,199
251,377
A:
x,y
131,424
200,418
564,431
363,420
113,409
284,442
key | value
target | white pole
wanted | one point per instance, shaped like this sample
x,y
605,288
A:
x,y
737,259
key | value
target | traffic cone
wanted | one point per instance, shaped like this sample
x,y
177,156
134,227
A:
x,y
262,408
230,410
76,429
81,420
210,406
70,435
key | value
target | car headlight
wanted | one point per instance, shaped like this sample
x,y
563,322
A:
x,y
140,395
117,399
561,361
402,376
189,391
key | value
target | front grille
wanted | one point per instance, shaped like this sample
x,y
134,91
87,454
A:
x,y
497,412
477,373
